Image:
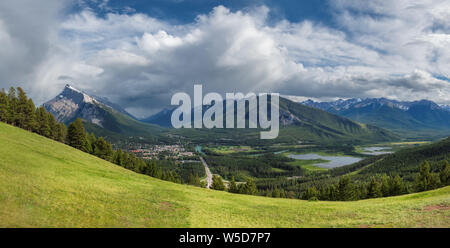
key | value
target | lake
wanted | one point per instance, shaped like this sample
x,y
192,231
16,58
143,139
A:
x,y
334,161
376,150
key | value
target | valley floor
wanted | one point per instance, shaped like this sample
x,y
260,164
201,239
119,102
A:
x,y
47,184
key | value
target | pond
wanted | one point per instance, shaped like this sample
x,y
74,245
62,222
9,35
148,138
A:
x,y
376,150
334,161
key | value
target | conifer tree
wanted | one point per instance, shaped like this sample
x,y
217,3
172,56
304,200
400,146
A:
x,y
91,140
125,159
4,106
283,193
191,179
424,180
12,100
444,174
251,187
103,149
62,132
385,190
310,193
197,180
333,193
53,126
345,189
397,186
233,186
30,116
362,191
217,183
21,108
76,135
276,193
374,190
42,122
151,169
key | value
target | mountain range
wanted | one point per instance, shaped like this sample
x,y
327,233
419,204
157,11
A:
x,y
298,123
411,118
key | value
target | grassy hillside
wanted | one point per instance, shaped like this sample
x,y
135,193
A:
x,y
47,184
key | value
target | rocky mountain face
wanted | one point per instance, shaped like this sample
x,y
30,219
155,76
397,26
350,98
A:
x,y
99,115
72,103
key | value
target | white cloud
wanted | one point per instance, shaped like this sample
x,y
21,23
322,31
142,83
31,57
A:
x,y
383,49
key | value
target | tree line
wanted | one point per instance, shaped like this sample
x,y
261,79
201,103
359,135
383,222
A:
x,y
346,189
384,186
18,110
248,188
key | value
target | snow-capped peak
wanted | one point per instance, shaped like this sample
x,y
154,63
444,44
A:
x,y
86,97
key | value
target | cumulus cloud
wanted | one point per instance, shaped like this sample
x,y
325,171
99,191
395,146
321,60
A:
x,y
392,49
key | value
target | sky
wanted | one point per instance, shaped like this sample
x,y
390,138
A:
x,y
139,53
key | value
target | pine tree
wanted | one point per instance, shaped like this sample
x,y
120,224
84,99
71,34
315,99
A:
x,y
374,190
91,140
103,149
397,186
151,168
363,191
385,190
444,174
283,193
191,179
217,183
345,189
233,186
424,180
197,180
76,136
21,109
119,161
290,194
12,100
53,126
42,122
251,187
4,106
30,119
333,193
311,193
276,193
125,159
62,132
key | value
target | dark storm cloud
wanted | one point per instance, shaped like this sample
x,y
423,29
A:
x,y
139,61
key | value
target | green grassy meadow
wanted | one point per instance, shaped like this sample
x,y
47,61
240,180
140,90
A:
x,y
309,164
48,184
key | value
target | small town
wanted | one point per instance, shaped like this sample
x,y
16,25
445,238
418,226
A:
x,y
175,152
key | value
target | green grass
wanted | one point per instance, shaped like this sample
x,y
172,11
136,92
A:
x,y
47,184
309,164
231,149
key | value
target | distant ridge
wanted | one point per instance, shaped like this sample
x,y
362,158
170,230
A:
x,y
422,117
298,123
